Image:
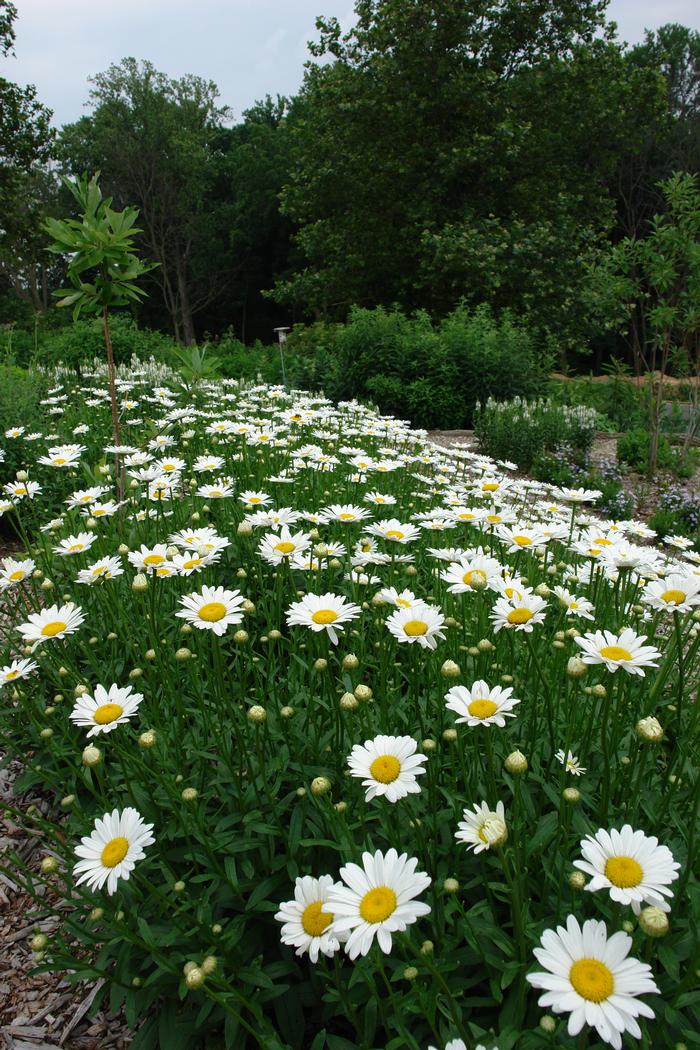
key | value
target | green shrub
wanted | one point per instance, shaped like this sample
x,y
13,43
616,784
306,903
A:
x,y
523,431
633,451
619,402
83,341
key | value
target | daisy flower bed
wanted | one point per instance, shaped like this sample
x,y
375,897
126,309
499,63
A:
x,y
350,743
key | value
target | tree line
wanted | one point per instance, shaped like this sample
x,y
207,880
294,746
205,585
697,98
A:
x,y
462,151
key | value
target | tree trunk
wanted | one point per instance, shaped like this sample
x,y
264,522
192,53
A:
x,y
186,321
116,434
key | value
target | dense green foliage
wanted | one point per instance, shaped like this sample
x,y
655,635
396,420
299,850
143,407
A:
x,y
521,431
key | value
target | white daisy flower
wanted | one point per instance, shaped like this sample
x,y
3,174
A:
x,y
283,545
307,924
481,705
106,709
574,606
194,561
104,569
519,537
17,669
570,760
212,609
624,650
678,592
393,530
388,766
420,624
255,499
110,853
344,512
13,572
483,827
83,541
54,622
405,599
520,614
631,865
591,977
471,573
323,612
377,900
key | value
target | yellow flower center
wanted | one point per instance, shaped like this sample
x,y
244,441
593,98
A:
x,y
394,534
624,871
256,499
11,675
471,573
191,564
115,851
673,597
602,542
378,904
414,628
345,516
615,652
489,486
49,630
482,708
76,547
314,920
59,461
494,519
17,575
107,713
466,517
403,603
522,541
516,616
215,492
212,612
153,559
592,980
285,547
324,616
385,769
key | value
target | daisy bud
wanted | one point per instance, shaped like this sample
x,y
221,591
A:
x,y
136,982
378,600
49,865
350,662
205,508
449,735
542,590
111,637
178,886
451,622
150,654
450,886
241,637
628,926
209,964
286,712
185,629
573,632
92,756
599,691
320,664
363,692
67,801
216,930
248,606
183,654
571,795
558,645
410,973
140,583
179,778
63,671
103,469
90,523
21,475
575,667
37,574
348,702
194,978
506,679
320,786
653,922
47,585
133,484
516,763
274,635
696,615
189,794
485,646
96,914
577,880
426,948
548,1024
473,650
135,672
244,529
300,792
123,548
340,807
650,729
411,570
429,744
147,739
450,669
241,574
257,713
39,942
195,516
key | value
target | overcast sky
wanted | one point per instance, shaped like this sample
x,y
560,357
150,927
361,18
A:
x,y
250,48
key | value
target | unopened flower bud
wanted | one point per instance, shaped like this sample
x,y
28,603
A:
x,y
350,662
450,886
286,712
450,669
363,692
320,664
650,729
320,786
410,973
92,756
147,740
548,1024
189,794
39,942
654,922
575,667
571,795
577,880
256,713
426,948
140,582
348,702
49,865
183,654
194,978
209,964
516,763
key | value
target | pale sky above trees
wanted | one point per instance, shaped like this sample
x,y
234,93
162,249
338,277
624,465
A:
x,y
250,48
